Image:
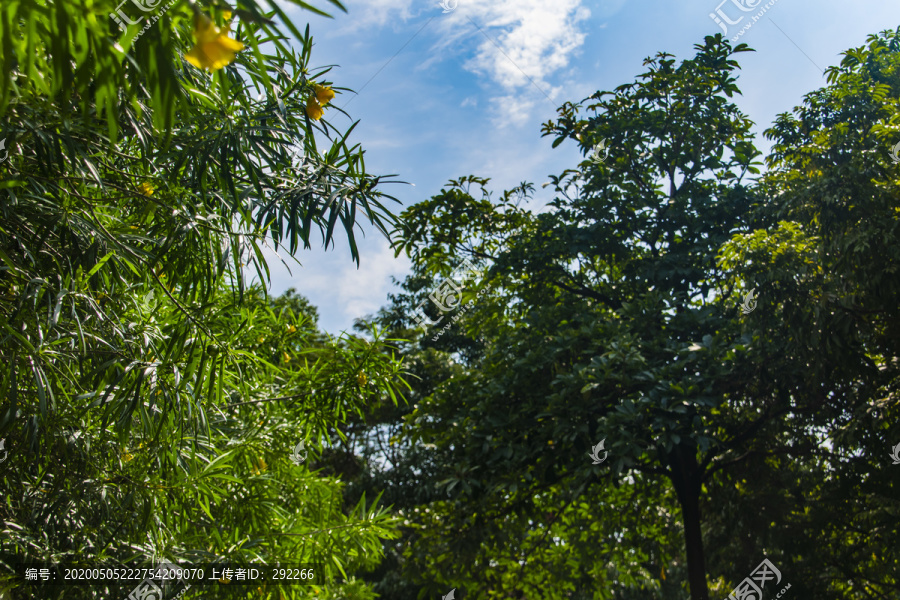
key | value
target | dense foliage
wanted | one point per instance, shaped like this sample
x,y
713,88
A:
x,y
618,314
151,397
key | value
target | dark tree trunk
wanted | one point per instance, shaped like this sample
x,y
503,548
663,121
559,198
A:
x,y
686,476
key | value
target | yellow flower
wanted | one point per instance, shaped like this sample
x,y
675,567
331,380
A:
x,y
214,48
261,339
146,189
286,358
313,109
292,329
127,457
361,379
323,94
259,467
226,14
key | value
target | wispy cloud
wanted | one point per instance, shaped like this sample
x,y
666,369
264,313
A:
x,y
531,40
512,109
331,282
377,13
516,46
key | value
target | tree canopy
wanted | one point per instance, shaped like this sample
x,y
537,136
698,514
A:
x,y
726,332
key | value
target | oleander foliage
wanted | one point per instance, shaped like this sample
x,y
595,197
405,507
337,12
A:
x,y
150,397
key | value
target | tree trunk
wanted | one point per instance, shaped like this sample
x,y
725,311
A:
x,y
685,474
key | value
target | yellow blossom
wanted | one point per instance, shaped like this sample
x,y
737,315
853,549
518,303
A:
x,y
146,189
214,49
313,109
361,379
126,457
286,358
259,467
324,94
226,14
292,329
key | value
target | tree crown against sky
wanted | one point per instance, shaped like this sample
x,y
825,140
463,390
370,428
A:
x,y
617,315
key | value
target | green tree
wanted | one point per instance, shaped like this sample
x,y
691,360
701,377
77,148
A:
x,y
616,316
826,261
612,288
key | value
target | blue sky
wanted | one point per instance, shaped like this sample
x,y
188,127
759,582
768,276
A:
x,y
451,103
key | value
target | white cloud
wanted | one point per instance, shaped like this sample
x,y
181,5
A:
x,y
375,13
516,45
355,286
512,110
333,283
530,39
